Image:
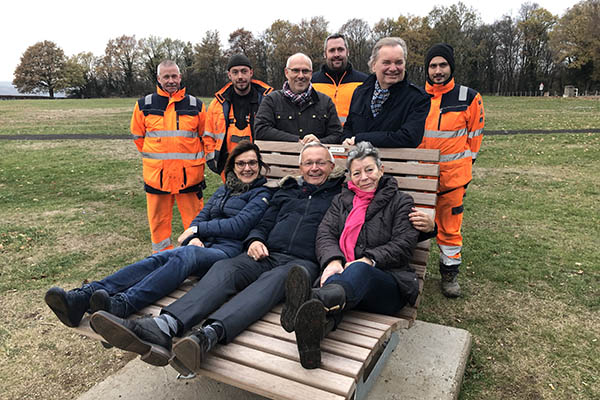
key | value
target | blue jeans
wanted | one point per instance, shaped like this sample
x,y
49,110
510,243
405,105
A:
x,y
142,283
369,289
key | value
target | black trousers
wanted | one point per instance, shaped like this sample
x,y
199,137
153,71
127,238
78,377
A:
x,y
256,287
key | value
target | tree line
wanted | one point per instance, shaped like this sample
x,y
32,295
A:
x,y
513,54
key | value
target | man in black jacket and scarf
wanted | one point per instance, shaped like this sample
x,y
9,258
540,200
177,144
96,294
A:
x,y
285,237
387,109
298,112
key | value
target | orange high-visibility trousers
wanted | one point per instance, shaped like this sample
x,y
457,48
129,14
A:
x,y
448,217
160,215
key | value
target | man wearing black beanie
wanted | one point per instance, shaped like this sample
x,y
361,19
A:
x,y
455,127
230,116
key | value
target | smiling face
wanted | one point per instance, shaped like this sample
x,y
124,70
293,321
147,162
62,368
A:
x,y
365,174
389,66
169,79
246,166
298,74
336,54
240,77
439,70
316,165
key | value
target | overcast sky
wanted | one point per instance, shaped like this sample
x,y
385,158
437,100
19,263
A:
x,y
78,26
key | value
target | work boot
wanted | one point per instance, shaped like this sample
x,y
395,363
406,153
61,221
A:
x,y
315,319
141,336
449,283
102,301
297,292
69,306
192,349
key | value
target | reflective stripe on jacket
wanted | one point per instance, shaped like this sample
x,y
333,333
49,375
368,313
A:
x,y
219,129
340,93
455,127
167,131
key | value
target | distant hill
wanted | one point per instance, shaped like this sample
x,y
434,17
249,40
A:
x,y
7,89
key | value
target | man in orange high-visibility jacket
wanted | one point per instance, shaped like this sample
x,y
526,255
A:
x,y
337,79
455,127
167,127
230,116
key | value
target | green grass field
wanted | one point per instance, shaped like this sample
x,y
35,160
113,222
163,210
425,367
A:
x,y
75,209
111,116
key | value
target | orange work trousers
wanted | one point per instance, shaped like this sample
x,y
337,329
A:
x,y
448,217
160,215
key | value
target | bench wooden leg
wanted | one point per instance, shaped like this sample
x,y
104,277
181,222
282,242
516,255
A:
x,y
363,386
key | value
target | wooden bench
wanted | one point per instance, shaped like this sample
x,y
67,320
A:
x,y
264,358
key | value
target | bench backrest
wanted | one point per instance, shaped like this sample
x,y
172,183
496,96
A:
x,y
416,171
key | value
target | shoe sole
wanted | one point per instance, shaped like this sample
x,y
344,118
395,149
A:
x,y
297,291
178,366
58,305
125,339
188,352
309,328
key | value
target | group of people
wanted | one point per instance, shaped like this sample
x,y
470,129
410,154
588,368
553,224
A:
x,y
317,243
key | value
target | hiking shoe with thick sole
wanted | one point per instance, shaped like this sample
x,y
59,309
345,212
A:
x,y
69,306
310,322
297,292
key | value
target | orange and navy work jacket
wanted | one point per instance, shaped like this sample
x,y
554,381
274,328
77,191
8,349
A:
x,y
455,127
340,93
167,131
221,124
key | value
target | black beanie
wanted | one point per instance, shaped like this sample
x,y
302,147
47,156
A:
x,y
238,59
442,50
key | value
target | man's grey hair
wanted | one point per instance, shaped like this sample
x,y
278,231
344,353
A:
x,y
315,144
165,64
307,58
387,41
361,151
334,36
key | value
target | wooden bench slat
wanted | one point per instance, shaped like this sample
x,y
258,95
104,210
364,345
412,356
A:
x,y
353,338
261,383
333,346
346,325
319,378
330,362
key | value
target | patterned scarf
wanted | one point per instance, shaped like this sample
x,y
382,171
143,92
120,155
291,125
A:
x,y
234,184
298,99
355,220
379,97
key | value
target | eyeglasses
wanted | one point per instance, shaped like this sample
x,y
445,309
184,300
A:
x,y
320,163
242,164
296,71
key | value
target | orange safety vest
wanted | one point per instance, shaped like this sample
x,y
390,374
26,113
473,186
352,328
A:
x,y
455,127
220,124
341,93
167,131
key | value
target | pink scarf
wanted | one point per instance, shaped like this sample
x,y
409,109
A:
x,y
355,220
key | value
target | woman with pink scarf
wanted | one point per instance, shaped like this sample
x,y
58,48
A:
x,y
364,243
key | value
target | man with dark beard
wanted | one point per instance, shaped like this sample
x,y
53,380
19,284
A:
x,y
230,116
337,79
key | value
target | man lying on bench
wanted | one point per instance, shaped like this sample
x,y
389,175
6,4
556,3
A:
x,y
284,238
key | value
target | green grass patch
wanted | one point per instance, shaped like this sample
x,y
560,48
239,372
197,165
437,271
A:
x,y
543,113
67,116
74,210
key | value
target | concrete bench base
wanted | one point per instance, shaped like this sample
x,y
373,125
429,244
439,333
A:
x,y
428,363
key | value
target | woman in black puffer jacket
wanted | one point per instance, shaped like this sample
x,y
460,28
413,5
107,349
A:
x,y
364,244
